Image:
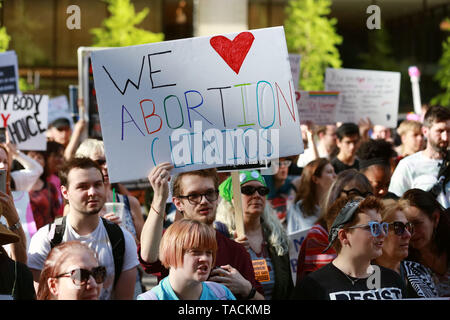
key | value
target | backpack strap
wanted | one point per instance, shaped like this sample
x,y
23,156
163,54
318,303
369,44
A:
x,y
60,228
218,290
117,239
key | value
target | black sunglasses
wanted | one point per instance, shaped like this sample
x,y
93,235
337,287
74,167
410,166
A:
x,y
400,227
81,276
249,190
356,192
100,162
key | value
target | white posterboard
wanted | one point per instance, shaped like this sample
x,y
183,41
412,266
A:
x,y
9,73
318,106
26,117
295,241
197,103
366,93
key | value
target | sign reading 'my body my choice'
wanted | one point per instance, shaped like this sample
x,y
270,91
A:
x,y
26,118
198,103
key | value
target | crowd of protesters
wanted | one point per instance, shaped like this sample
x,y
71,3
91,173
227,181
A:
x,y
373,200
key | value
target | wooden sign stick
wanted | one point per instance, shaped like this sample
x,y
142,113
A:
x,y
238,214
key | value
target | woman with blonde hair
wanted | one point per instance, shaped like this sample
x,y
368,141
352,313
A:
x,y
71,272
313,186
265,238
188,248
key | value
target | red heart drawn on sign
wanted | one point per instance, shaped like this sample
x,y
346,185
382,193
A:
x,y
233,52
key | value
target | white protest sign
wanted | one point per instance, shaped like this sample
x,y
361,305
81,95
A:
x,y
318,106
23,207
9,73
294,61
295,241
366,93
58,107
26,117
198,103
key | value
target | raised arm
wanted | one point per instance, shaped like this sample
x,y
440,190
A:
x,y
153,226
78,129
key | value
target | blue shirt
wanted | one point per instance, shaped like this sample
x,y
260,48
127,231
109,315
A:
x,y
210,291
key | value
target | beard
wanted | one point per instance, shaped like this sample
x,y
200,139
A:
x,y
439,147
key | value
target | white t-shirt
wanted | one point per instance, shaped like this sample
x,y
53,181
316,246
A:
x,y
308,156
418,171
98,241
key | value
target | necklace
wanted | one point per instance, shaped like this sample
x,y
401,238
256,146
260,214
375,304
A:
x,y
351,280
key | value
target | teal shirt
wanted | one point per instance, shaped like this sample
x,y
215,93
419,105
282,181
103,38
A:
x,y
164,291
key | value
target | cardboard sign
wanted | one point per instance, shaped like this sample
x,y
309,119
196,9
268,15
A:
x,y
318,106
366,93
26,117
197,103
295,241
9,73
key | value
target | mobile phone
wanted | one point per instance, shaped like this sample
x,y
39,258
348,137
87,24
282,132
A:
x,y
3,180
2,135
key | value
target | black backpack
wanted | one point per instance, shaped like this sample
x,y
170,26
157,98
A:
x,y
115,235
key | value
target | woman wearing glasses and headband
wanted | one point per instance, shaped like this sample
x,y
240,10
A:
x,y
265,239
315,181
311,254
357,234
71,272
430,242
416,277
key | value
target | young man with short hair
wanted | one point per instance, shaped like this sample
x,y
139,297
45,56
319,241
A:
x,y
348,141
195,195
83,187
420,170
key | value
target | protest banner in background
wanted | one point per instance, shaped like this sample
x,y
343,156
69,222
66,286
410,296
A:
x,y
9,73
58,107
294,61
318,106
366,93
198,103
26,117
295,241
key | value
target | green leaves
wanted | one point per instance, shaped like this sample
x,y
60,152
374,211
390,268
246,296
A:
x,y
120,29
310,33
443,75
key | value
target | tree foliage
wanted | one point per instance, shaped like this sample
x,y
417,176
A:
x,y
4,37
119,29
443,75
310,33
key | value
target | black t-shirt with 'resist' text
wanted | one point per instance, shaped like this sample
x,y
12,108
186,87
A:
x,y
330,283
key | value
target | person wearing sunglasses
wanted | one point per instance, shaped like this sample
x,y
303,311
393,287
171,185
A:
x,y
71,272
417,278
265,238
314,183
357,234
188,249
195,195
311,255
430,242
